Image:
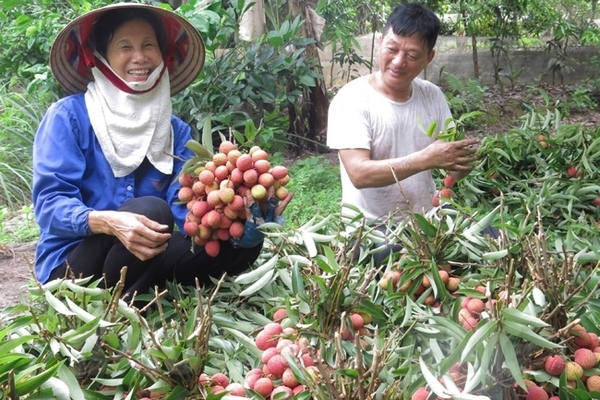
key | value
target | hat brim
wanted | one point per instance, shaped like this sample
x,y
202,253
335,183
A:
x,y
75,78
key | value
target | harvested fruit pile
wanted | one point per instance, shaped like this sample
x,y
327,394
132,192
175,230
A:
x,y
216,193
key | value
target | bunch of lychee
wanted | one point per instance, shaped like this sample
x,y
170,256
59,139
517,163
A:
x,y
215,193
393,277
445,192
470,311
578,365
357,321
280,344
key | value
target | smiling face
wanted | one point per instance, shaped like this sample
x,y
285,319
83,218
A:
x,y
401,59
133,51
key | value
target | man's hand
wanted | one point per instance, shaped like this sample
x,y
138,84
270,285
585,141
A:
x,y
143,237
452,156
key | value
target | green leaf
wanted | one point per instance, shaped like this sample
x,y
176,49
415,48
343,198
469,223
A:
x,y
510,359
67,377
259,284
245,341
427,228
524,332
297,280
481,333
25,386
519,317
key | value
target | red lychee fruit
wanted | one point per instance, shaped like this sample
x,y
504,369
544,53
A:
x,y
267,354
435,200
476,306
185,194
252,376
535,392
212,248
298,389
282,192
276,365
279,172
244,162
219,379
420,394
470,324
594,342
226,146
259,192
580,334
204,380
289,379
236,176
250,177
279,314
573,371
585,358
236,390
207,177
233,155
452,284
273,328
236,230
262,166
449,181
263,386
446,193
573,172
264,341
444,275
191,228
266,179
259,154
185,179
357,321
213,219
554,365
593,383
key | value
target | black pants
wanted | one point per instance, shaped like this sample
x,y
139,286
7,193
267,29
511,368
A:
x,y
104,255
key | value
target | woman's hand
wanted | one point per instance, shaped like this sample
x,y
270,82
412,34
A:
x,y
257,213
143,237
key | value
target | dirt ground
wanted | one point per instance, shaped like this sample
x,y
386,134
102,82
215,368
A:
x,y
16,261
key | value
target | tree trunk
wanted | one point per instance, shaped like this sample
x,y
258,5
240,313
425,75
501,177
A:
x,y
475,58
316,96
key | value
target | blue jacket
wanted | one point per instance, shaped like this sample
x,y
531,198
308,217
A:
x,y
71,177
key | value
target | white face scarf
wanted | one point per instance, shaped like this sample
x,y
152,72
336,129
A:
x,y
130,127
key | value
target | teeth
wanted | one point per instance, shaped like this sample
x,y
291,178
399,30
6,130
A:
x,y
140,72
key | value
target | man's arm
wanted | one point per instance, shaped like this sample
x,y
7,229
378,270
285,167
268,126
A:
x,y
367,173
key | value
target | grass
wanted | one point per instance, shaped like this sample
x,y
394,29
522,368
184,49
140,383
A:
x,y
19,118
17,226
317,190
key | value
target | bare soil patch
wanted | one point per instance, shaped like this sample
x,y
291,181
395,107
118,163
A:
x,y
16,264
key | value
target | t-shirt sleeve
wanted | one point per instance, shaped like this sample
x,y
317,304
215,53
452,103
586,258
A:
x,y
348,125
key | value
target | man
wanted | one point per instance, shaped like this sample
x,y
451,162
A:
x,y
377,123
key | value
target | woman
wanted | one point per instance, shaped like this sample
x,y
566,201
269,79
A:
x,y
105,157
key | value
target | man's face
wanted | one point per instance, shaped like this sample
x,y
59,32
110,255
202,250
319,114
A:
x,y
401,59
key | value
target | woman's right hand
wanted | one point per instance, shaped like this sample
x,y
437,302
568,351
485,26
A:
x,y
142,236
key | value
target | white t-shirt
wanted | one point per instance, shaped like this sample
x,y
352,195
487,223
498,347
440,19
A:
x,y
362,118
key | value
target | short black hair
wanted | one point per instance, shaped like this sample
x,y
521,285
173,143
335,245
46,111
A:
x,y
414,18
108,23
